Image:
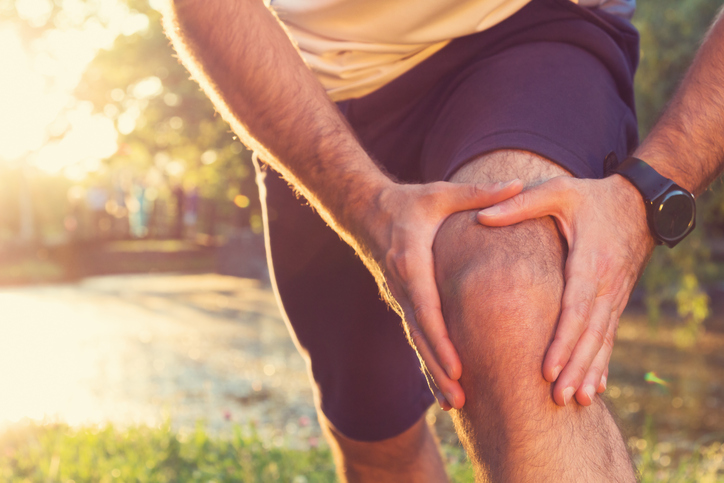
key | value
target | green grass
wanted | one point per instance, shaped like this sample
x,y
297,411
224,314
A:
x,y
61,454
58,453
672,463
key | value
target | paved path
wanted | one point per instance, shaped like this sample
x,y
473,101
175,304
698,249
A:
x,y
137,349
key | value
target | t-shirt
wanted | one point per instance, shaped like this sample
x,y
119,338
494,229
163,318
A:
x,y
357,46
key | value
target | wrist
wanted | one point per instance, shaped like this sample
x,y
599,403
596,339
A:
x,y
661,159
362,208
627,195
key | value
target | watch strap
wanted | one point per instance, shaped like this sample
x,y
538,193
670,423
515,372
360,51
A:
x,y
646,179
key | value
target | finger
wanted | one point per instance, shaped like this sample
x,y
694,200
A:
x,y
603,385
585,351
578,299
462,197
448,391
604,378
592,382
426,311
428,332
542,200
442,402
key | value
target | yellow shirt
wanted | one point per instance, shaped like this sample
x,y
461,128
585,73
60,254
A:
x,y
357,46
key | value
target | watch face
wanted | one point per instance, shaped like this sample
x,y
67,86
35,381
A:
x,y
675,215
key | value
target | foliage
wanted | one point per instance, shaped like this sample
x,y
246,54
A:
x,y
664,462
671,32
143,454
36,453
170,133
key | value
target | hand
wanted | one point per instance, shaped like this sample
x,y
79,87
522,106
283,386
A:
x,y
411,216
609,243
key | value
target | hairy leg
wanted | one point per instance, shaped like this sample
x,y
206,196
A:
x,y
501,290
411,457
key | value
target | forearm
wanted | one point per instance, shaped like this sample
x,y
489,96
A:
x,y
687,143
245,62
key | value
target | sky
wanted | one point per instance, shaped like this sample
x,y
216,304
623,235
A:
x,y
38,79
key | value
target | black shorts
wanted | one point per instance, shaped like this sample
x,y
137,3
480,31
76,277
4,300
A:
x,y
555,79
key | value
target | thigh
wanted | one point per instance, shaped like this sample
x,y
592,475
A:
x,y
553,99
368,380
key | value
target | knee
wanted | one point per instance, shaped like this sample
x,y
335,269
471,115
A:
x,y
500,290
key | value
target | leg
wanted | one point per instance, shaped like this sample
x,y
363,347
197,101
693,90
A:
x,y
501,290
412,456
371,396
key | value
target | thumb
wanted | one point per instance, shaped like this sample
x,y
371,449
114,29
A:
x,y
549,198
462,197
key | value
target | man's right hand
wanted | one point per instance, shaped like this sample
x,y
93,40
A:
x,y
245,62
402,230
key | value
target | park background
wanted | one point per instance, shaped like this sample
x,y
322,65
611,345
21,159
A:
x,y
139,338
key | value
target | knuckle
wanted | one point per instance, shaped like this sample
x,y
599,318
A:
x,y
420,311
440,344
578,372
435,190
416,337
598,334
566,346
603,263
398,262
520,201
579,313
559,183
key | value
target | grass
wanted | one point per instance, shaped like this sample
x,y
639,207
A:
x,y
58,453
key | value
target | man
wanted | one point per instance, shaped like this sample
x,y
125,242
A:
x,y
462,105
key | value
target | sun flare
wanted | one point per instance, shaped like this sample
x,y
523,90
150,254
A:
x,y
41,123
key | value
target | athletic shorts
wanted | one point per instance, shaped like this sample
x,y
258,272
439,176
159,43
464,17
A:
x,y
555,79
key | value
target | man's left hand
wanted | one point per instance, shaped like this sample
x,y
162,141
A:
x,y
604,223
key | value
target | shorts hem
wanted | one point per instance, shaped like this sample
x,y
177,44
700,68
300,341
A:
x,y
383,430
527,141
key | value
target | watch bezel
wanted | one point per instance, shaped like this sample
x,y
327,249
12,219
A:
x,y
656,204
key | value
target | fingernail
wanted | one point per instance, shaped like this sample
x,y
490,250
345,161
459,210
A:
x,y
508,183
449,372
556,371
492,211
567,393
450,399
603,382
590,392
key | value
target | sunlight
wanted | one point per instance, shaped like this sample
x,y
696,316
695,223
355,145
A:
x,y
38,79
58,363
23,113
91,138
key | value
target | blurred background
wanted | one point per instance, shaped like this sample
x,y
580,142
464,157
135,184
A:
x,y
134,293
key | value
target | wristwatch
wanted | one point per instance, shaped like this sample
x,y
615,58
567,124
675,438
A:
x,y
670,209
